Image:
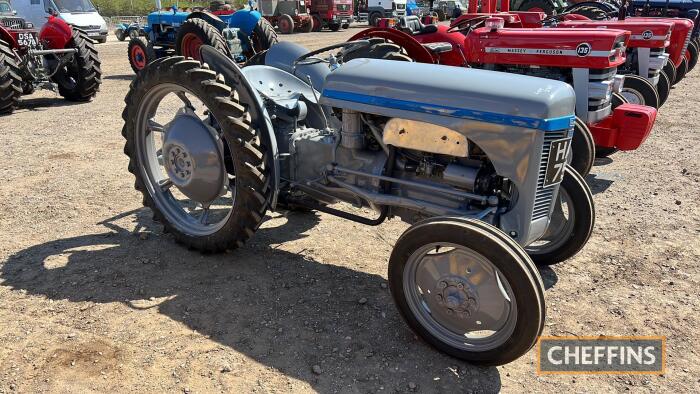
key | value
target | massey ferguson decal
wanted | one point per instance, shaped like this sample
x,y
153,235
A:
x,y
583,49
647,35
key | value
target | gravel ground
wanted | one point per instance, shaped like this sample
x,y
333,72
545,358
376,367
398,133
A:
x,y
94,297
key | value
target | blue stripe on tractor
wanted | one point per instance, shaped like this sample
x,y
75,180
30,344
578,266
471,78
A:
x,y
551,124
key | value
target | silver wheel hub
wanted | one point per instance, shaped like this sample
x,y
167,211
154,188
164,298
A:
x,y
457,297
193,155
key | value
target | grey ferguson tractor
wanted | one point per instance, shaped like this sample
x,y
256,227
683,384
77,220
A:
x,y
214,146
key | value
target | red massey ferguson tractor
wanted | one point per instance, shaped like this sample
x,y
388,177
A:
x,y
332,14
588,59
59,57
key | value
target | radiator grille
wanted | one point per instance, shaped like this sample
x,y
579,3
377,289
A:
x,y
13,23
687,41
544,196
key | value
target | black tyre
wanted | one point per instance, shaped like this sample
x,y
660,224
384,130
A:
x,y
638,90
238,156
670,70
582,148
590,12
663,87
285,24
538,5
194,33
441,15
374,19
571,224
133,33
263,37
120,35
318,23
681,70
693,49
345,26
80,80
141,53
10,80
444,302
378,49
334,26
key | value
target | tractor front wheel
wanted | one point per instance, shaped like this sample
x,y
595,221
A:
x,y
285,24
140,54
121,36
10,81
582,148
681,70
663,87
638,90
80,80
194,33
334,26
670,70
693,50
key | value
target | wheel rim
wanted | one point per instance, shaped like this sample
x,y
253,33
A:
x,y
190,46
138,56
182,163
560,227
633,96
284,25
460,297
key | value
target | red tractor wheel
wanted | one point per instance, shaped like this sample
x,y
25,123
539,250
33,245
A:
x,y
10,81
80,79
140,54
308,26
317,22
194,33
286,24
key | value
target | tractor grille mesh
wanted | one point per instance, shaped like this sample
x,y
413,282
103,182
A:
x,y
687,41
544,196
343,7
13,23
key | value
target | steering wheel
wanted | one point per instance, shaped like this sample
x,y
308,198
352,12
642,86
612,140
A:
x,y
468,24
311,58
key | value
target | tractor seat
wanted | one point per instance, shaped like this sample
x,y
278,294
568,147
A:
x,y
413,26
438,47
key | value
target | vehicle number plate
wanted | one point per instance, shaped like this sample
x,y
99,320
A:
x,y
558,152
27,39
93,33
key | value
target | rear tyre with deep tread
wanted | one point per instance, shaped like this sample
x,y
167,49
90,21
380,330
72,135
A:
x,y
80,80
10,80
590,12
378,49
252,192
538,5
194,33
263,37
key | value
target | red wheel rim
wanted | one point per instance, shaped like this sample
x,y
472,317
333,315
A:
x,y
190,46
138,57
284,26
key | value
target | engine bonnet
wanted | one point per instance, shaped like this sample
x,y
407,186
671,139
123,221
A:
x,y
487,96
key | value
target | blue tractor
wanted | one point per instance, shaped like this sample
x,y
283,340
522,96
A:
x,y
240,34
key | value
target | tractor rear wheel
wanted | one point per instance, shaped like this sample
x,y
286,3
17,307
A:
x,y
318,23
194,33
140,53
693,50
681,70
538,6
334,26
80,80
378,49
263,37
374,19
286,24
218,203
663,87
590,12
10,80
638,90
582,148
571,223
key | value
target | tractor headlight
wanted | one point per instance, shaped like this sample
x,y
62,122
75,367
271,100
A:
x,y
618,82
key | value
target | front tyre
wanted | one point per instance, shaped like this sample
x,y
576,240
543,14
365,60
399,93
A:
x,y
194,33
202,171
582,148
467,289
693,51
141,53
638,90
681,70
80,80
663,87
571,223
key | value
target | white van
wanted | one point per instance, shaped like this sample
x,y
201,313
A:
x,y
79,13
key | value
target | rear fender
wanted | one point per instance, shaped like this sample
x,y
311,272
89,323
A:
x,y
233,77
56,33
283,55
7,37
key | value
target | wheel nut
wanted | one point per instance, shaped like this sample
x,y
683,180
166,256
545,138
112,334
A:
x,y
460,286
443,284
